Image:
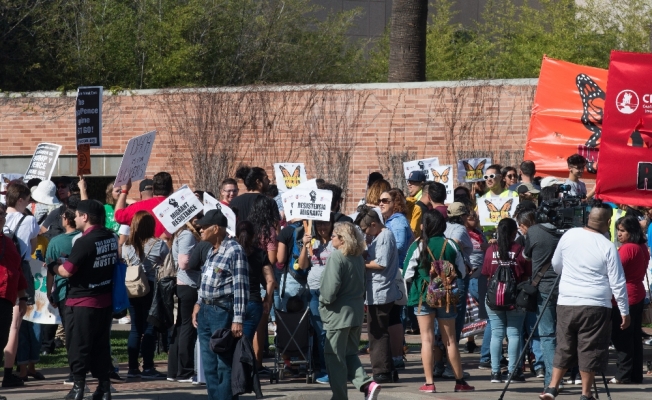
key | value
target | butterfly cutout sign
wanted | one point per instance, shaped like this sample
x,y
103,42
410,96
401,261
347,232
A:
x,y
493,209
289,175
424,165
472,169
444,175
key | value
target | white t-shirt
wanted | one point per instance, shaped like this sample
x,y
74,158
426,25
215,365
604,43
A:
x,y
577,188
590,270
27,231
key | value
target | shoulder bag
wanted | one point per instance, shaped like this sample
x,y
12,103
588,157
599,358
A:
x,y
136,278
528,290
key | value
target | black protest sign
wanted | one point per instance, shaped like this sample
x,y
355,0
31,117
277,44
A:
x,y
43,161
88,114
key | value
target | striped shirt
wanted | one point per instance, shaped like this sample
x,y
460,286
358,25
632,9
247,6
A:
x,y
225,273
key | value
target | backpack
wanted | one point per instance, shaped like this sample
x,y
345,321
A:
x,y
442,291
30,292
136,279
294,251
502,289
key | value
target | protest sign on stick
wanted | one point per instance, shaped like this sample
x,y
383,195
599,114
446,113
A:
x,y
43,161
134,162
88,114
289,175
178,209
211,203
424,165
493,209
83,159
310,204
444,175
472,169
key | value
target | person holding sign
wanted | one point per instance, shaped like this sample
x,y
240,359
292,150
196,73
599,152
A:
x,y
162,188
223,295
381,264
496,186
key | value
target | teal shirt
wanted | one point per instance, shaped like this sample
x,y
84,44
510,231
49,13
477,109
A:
x,y
60,246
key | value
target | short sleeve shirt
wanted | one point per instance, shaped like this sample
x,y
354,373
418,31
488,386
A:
x,y
27,231
577,188
156,250
183,243
380,287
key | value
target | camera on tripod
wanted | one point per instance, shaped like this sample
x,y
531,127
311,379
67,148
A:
x,y
564,212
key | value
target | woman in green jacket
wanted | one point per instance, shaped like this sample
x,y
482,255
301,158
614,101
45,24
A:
x,y
417,270
341,307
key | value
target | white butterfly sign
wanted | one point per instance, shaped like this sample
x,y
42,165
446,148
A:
x,y
444,175
289,175
424,165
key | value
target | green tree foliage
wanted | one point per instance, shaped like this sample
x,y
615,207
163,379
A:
x,y
52,44
511,38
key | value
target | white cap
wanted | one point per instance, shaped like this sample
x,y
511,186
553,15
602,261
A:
x,y
549,181
45,193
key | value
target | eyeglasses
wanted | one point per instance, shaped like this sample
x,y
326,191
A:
x,y
385,200
231,191
490,176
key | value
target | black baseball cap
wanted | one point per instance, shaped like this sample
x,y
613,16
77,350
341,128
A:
x,y
146,184
91,207
213,217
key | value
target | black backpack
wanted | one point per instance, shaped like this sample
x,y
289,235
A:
x,y
502,289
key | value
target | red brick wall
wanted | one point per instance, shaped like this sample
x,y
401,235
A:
x,y
385,121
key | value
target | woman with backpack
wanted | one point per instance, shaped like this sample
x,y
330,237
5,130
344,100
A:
x,y
434,250
144,249
506,267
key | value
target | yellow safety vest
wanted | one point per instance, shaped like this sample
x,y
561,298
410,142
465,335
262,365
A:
x,y
615,216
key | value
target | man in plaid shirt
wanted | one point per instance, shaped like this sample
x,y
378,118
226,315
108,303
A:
x,y
223,294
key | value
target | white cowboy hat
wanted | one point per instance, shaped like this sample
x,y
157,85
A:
x,y
45,193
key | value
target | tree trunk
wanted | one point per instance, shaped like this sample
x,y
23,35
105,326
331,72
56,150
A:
x,y
407,41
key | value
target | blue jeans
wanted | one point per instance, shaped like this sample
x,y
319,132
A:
x,y
29,343
510,323
142,337
318,326
473,289
535,344
463,286
217,367
253,313
485,350
547,329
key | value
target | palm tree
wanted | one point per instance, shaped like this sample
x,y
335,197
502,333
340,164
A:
x,y
407,41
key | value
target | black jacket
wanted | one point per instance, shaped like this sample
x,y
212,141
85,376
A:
x,y
161,314
244,375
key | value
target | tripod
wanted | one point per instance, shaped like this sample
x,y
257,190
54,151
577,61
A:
x,y
527,343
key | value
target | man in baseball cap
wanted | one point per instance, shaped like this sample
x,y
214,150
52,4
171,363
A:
x,y
223,294
146,189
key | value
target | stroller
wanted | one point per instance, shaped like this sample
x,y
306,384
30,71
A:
x,y
294,339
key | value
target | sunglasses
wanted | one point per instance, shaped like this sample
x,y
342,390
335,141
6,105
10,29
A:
x,y
510,176
62,187
490,176
385,200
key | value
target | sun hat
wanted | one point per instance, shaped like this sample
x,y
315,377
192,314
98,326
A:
x,y
45,193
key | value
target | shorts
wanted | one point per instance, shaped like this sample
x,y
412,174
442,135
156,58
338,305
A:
x,y
583,336
440,312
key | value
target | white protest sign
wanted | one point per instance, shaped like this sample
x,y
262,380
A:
x,y
472,169
444,175
424,165
311,184
312,204
134,162
42,311
43,161
491,210
211,203
289,175
178,209
4,181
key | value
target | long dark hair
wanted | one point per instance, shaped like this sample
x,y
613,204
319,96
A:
x,y
142,229
244,233
434,224
633,227
250,175
506,229
264,216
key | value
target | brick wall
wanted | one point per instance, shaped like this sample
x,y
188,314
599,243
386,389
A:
x,y
386,123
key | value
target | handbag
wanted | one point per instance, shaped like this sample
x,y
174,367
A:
x,y
136,279
442,290
647,309
528,291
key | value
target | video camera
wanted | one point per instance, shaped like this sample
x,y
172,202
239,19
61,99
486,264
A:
x,y
564,212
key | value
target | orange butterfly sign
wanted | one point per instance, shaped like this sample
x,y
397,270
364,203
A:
x,y
474,172
444,176
291,180
495,214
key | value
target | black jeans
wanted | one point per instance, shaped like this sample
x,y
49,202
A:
x,y
88,339
6,315
181,358
48,332
628,344
380,351
142,337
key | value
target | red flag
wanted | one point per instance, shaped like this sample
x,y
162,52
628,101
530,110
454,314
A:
x,y
625,174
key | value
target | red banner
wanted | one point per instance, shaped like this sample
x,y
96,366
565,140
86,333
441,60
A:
x,y
566,116
625,174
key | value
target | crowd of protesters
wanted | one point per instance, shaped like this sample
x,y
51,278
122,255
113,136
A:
x,y
388,263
